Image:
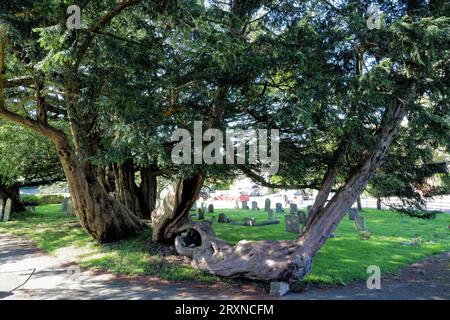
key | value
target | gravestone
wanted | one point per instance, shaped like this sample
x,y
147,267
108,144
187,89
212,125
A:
x,y
249,222
201,214
70,209
352,214
278,288
301,216
2,206
292,224
267,205
254,205
222,218
267,223
65,204
360,223
308,210
244,205
293,208
7,213
278,208
270,214
194,206
211,208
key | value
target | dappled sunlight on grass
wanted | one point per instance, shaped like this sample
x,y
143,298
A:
x,y
341,260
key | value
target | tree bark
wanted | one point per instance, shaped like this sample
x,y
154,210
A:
x,y
358,203
148,190
12,193
103,217
125,188
379,203
173,213
327,184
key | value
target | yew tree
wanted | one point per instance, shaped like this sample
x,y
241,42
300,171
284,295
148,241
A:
x,y
340,94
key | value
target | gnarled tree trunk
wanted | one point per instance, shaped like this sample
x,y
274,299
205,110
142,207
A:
x,y
148,190
13,194
103,217
119,180
125,188
263,260
173,213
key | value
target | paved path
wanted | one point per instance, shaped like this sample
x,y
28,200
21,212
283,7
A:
x,y
28,273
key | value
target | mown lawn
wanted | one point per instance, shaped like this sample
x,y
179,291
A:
x,y
342,259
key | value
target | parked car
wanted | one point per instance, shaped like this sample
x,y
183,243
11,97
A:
x,y
244,196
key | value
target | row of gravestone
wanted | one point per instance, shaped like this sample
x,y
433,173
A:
x,y
293,220
249,222
5,209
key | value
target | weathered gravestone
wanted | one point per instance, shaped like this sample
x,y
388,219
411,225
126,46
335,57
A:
x,y
301,216
2,206
267,205
267,223
244,205
270,214
249,222
278,208
292,223
70,211
211,208
254,205
65,204
352,214
308,210
278,288
360,223
222,218
7,213
293,208
194,206
201,213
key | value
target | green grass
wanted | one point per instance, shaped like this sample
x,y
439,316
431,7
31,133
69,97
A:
x,y
345,258
53,231
342,259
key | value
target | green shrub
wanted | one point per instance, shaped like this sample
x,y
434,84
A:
x,y
29,200
32,200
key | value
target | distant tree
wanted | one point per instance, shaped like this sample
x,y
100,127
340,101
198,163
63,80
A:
x,y
27,159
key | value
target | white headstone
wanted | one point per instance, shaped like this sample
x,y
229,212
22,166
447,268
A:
x,y
7,210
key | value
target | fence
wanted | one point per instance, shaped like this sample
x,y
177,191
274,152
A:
x,y
439,203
